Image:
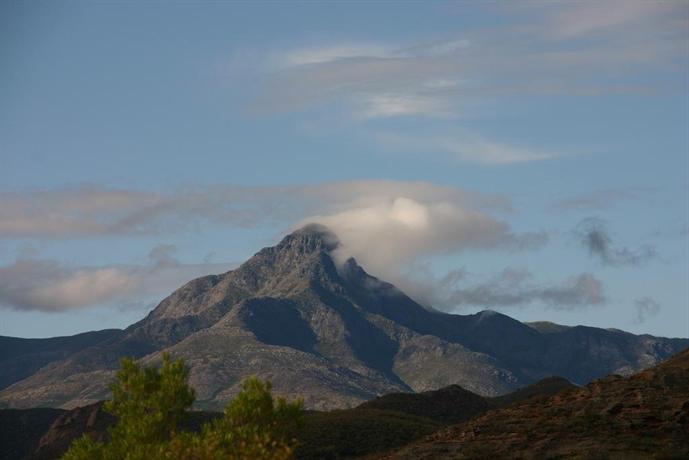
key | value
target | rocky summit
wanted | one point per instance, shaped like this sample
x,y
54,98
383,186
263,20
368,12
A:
x,y
328,333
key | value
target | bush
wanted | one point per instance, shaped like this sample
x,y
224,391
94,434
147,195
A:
x,y
151,403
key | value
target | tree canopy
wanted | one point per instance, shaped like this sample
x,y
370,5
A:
x,y
151,404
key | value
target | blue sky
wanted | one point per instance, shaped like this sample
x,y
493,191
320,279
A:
x,y
528,157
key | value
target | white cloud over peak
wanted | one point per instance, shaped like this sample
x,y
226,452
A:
x,y
391,234
401,230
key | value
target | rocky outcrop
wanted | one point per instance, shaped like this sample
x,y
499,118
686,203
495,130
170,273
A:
x,y
89,420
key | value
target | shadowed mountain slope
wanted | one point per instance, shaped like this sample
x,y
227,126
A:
x,y
19,358
334,336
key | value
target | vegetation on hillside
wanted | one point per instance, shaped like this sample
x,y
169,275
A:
x,y
642,416
359,432
150,404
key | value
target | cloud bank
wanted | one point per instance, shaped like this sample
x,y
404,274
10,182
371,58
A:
x,y
48,286
88,211
385,225
510,288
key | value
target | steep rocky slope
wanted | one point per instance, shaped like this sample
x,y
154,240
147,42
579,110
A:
x,y
334,336
642,416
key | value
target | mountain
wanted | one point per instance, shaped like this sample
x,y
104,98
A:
x,y
19,358
333,335
642,416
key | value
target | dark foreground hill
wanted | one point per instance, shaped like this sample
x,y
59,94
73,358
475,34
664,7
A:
x,y
22,429
455,404
642,416
376,426
333,335
396,419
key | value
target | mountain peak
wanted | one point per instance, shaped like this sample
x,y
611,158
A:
x,y
311,238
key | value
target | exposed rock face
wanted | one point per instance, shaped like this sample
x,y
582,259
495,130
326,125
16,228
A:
x,y
91,420
332,335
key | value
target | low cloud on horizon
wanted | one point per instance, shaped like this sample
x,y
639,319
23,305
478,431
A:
x,y
91,210
510,288
386,225
30,284
390,227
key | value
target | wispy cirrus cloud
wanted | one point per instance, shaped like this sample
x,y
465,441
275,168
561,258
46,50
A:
x,y
467,148
573,49
391,105
570,44
323,54
587,18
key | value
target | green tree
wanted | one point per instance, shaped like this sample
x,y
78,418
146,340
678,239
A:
x,y
255,426
151,403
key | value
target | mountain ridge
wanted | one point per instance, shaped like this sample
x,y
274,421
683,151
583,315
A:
x,y
333,335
